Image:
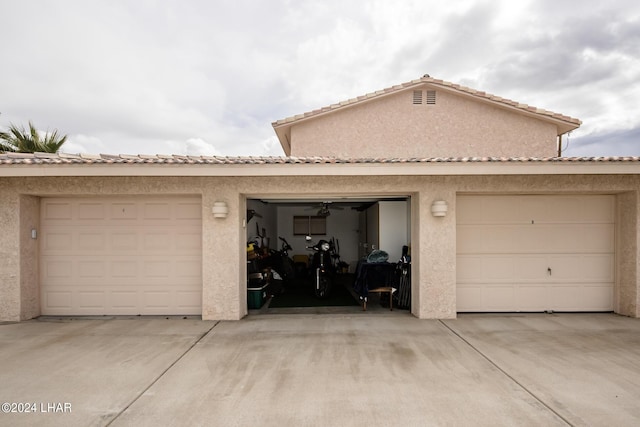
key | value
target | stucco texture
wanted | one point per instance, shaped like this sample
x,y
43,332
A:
x,y
223,261
29,266
456,126
9,254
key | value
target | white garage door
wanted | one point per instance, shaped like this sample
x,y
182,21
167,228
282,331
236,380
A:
x,y
121,255
535,253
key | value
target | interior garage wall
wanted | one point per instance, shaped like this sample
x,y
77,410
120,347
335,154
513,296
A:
x,y
341,224
267,220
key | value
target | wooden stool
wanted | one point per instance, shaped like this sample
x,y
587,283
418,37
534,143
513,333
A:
x,y
381,290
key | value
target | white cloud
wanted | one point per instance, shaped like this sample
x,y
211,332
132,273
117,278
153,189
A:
x,y
210,77
82,144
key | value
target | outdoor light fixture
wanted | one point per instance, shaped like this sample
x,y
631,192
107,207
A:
x,y
439,208
220,209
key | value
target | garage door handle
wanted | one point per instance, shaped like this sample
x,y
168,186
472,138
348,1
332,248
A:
x,y
549,271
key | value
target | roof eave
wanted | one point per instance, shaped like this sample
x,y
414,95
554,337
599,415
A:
x,y
555,166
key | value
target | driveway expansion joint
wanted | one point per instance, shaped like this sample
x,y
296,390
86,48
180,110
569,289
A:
x,y
505,373
135,399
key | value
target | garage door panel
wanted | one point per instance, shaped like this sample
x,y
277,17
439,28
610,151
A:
x,y
582,298
91,210
530,268
121,256
189,242
598,209
91,269
185,299
582,268
57,242
58,300
91,241
123,300
124,211
498,298
535,253
566,297
467,268
498,239
598,238
188,269
124,241
91,300
501,268
597,297
156,299
189,211
57,211
59,269
153,211
532,297
468,239
123,268
498,269
469,298
157,242
157,269
486,239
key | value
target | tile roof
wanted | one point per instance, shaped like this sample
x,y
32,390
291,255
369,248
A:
x,y
8,159
435,82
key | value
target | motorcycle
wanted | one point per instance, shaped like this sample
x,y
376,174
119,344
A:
x,y
281,262
274,269
278,262
322,268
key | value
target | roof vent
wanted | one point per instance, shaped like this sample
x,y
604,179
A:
x,y
431,97
417,97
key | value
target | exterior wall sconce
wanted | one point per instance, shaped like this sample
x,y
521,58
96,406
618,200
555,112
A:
x,y
439,208
220,210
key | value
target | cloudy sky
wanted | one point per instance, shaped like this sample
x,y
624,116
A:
x,y
209,76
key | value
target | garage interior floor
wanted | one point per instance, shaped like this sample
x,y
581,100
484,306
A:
x,y
343,300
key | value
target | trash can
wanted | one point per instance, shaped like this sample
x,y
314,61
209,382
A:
x,y
256,296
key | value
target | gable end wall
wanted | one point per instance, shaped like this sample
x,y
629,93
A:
x,y
393,126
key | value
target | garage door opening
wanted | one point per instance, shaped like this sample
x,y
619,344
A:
x,y
283,275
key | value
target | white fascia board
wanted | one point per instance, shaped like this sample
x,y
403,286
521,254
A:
x,y
337,169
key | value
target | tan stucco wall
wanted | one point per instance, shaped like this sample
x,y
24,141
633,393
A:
x,y
628,253
393,127
223,270
29,264
9,254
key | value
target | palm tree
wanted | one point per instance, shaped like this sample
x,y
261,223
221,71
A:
x,y
21,140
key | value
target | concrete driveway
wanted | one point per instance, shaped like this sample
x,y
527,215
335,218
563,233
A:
x,y
369,369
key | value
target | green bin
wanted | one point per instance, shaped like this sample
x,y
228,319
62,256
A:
x,y
256,296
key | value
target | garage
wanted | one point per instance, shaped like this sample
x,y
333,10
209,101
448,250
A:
x,y
352,226
535,253
121,255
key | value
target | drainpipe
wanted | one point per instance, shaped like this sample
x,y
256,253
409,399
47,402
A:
x,y
559,145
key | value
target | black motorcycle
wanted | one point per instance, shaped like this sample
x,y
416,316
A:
x,y
322,268
283,264
279,262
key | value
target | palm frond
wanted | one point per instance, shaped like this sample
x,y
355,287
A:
x,y
21,140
